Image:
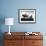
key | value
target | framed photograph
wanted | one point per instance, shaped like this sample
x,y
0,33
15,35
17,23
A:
x,y
27,16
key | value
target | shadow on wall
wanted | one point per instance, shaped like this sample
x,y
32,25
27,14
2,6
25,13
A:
x,y
1,39
2,21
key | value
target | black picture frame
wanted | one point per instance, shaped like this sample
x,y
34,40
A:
x,y
27,16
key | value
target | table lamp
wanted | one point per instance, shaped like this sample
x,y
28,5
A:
x,y
9,21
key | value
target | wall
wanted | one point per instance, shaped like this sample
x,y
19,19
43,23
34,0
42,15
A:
x,y
9,8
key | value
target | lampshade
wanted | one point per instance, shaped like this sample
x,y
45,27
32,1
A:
x,y
9,21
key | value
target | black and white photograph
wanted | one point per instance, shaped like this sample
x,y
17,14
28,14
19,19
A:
x,y
27,16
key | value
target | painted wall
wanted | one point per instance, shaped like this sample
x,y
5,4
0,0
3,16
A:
x,y
9,8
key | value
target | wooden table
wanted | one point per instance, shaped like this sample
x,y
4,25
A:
x,y
20,39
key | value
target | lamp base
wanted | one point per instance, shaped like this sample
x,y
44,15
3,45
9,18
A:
x,y
9,33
